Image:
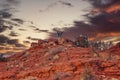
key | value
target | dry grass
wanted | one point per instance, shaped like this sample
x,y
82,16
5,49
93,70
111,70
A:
x,y
87,74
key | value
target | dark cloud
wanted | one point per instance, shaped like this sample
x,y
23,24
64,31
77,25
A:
x,y
1,48
39,30
20,21
3,39
103,3
12,33
7,41
102,24
15,2
100,3
93,31
8,4
22,29
19,45
5,14
3,28
10,23
49,7
34,39
12,41
105,21
6,24
7,9
78,28
26,42
10,27
7,44
65,3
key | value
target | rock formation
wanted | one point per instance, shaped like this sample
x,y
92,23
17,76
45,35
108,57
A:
x,y
60,62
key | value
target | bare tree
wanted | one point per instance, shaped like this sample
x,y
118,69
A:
x,y
59,32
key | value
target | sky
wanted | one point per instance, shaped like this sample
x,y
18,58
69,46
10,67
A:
x,y
26,21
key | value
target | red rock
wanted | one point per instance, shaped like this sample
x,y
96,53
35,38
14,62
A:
x,y
71,64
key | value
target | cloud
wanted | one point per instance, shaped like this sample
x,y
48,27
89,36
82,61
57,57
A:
x,y
107,21
20,21
113,8
26,42
102,3
103,21
7,9
5,14
3,39
9,45
12,33
7,4
1,48
59,2
10,23
66,3
19,45
49,7
8,48
22,29
79,27
33,39
34,28
101,24
12,41
13,2
39,30
3,28
105,5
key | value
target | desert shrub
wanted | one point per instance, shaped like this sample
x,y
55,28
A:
x,y
106,56
61,75
56,50
29,78
95,53
87,74
56,57
3,60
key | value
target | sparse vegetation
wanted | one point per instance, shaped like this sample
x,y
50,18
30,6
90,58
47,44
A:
x,y
95,53
87,74
56,50
3,59
56,57
52,53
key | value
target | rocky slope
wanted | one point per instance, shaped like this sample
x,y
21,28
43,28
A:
x,y
62,62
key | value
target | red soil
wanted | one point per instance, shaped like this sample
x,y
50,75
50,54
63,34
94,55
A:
x,y
60,62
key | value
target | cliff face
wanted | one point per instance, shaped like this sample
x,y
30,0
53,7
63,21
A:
x,y
62,62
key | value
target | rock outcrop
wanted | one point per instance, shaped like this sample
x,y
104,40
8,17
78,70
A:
x,y
60,62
